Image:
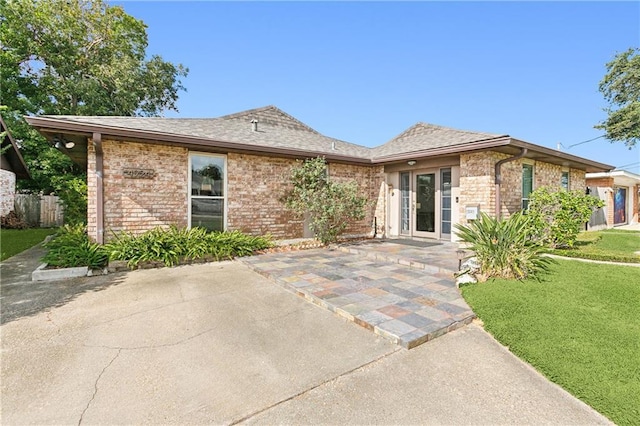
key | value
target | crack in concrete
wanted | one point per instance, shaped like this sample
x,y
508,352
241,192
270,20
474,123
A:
x,y
95,386
346,373
164,345
164,306
58,331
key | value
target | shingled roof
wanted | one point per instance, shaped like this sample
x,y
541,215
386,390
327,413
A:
x,y
423,136
276,129
278,133
272,116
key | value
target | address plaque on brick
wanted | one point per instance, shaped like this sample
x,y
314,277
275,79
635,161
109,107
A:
x,y
139,173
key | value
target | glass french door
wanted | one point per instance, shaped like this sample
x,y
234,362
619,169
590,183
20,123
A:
x,y
425,205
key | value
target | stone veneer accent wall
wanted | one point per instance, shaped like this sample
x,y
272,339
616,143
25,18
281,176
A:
x,y
7,191
137,205
371,182
477,181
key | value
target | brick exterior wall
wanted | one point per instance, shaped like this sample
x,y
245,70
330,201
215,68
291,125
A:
x,y
371,184
7,191
137,205
255,186
477,181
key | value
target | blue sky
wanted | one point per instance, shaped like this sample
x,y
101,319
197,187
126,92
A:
x,y
365,71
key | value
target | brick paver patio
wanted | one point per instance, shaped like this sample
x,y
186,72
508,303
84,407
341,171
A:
x,y
403,293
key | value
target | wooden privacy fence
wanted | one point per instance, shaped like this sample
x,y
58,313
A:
x,y
44,211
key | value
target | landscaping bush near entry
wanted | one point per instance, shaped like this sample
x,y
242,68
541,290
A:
x,y
71,247
173,245
559,216
331,206
504,248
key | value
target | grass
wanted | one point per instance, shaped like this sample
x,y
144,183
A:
x,y
14,241
578,326
611,244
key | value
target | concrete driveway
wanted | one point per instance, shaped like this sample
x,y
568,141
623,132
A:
x,y
218,344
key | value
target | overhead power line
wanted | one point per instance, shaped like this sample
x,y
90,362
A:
x,y
628,165
560,144
590,140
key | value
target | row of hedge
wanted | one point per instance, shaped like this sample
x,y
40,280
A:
x,y
72,247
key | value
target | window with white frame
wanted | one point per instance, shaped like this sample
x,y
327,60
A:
x,y
207,191
527,184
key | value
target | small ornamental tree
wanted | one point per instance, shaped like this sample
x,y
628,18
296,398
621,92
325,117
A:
x,y
330,205
558,216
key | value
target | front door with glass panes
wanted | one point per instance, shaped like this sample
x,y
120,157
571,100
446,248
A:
x,y
425,203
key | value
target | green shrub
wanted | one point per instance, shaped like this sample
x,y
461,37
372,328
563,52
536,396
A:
x,y
71,247
504,248
330,205
559,216
73,195
173,245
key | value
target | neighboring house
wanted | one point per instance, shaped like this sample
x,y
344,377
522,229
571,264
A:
x,y
620,191
12,167
231,172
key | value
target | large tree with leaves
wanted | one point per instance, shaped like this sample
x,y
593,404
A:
x,y
621,88
76,57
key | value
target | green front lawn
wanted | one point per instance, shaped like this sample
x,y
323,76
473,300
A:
x,y
579,327
610,244
14,241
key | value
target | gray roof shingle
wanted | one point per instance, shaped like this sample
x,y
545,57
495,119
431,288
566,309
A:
x,y
424,136
276,129
282,134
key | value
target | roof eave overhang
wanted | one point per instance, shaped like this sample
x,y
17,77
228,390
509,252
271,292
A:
x,y
446,150
53,126
48,125
550,155
15,157
589,166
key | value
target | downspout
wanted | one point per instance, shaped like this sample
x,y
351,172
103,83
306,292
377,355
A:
x,y
97,143
498,175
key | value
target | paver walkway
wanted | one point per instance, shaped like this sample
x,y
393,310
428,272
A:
x,y
404,293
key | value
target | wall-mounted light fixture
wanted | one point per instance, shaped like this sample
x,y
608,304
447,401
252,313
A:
x,y
411,162
60,142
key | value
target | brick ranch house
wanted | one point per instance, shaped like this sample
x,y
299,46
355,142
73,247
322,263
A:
x,y
230,173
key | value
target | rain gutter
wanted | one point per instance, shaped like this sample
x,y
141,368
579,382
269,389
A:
x,y
498,176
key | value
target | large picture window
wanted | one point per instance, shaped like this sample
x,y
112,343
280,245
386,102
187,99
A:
x,y
207,191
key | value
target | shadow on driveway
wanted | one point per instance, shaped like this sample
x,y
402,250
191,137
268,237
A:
x,y
20,297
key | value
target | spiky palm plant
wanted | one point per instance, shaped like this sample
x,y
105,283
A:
x,y
504,248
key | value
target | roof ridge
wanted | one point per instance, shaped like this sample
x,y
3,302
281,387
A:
x,y
269,108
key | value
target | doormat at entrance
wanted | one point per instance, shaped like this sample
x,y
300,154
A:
x,y
414,243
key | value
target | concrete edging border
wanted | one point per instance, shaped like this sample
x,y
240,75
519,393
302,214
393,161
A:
x,y
42,274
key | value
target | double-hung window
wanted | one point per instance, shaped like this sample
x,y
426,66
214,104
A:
x,y
527,184
564,181
207,178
